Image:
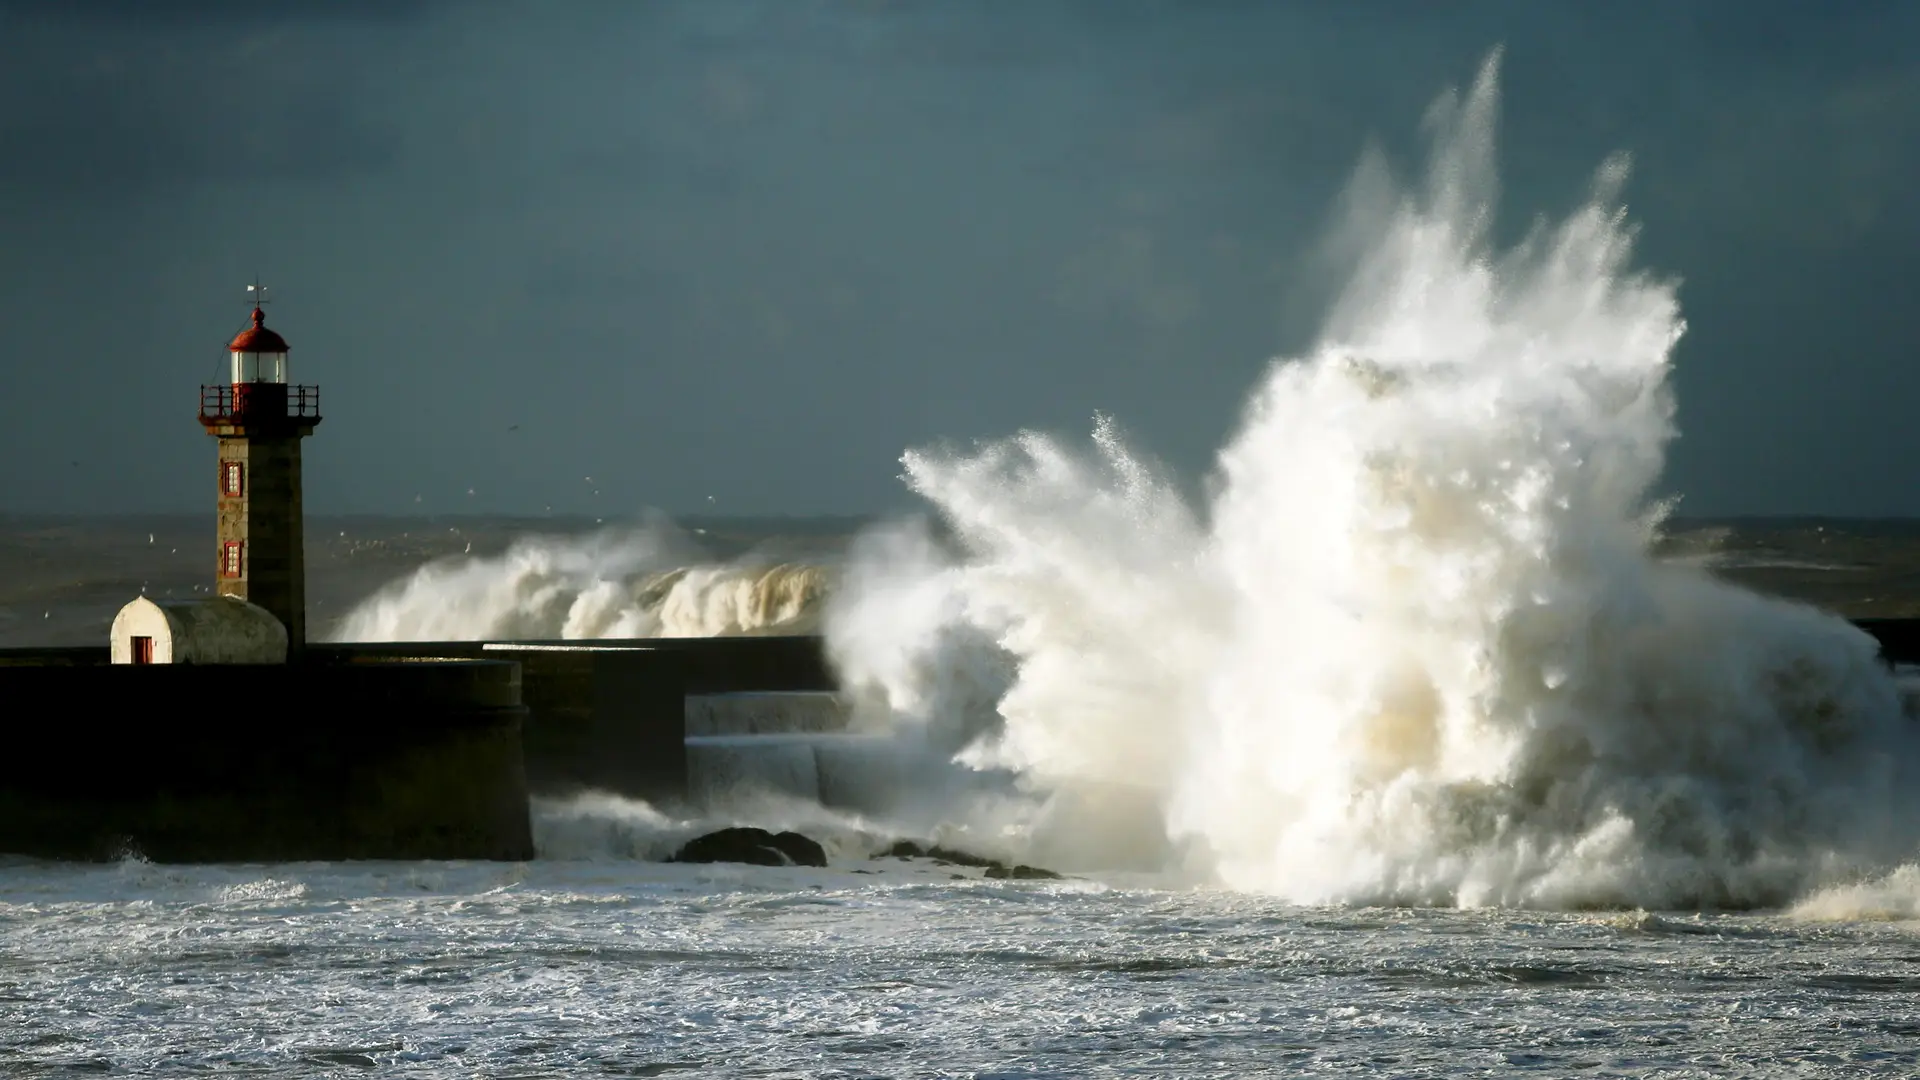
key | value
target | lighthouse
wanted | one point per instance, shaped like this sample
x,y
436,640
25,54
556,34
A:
x,y
259,418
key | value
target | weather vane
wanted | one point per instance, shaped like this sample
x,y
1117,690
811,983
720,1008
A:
x,y
257,292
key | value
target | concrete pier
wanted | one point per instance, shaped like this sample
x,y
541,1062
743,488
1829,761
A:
x,y
611,715
765,712
420,750
224,763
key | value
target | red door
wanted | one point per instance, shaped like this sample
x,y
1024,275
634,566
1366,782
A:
x,y
143,650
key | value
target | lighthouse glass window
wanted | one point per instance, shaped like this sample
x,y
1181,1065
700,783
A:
x,y
230,558
233,478
259,367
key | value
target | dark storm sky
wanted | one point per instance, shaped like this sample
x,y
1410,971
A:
x,y
754,250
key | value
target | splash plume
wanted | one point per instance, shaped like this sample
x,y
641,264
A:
x,y
1414,648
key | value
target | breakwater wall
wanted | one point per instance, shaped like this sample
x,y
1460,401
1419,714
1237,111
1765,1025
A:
x,y
596,715
610,715
218,763
379,750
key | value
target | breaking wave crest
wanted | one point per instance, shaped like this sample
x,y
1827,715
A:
x,y
634,583
1893,897
1414,648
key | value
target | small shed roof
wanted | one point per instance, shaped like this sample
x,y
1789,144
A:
x,y
207,630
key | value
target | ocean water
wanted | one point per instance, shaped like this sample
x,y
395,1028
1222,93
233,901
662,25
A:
x,y
883,968
597,958
1426,744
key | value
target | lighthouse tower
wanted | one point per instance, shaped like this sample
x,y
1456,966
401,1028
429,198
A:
x,y
259,420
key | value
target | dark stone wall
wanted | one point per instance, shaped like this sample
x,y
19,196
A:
x,y
382,750
59,656
601,715
703,665
266,763
611,715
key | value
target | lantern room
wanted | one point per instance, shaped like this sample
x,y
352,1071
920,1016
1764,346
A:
x,y
259,354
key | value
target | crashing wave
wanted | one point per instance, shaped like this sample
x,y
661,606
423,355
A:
x,y
617,584
1416,648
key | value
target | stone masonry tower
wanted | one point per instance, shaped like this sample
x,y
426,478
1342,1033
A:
x,y
259,421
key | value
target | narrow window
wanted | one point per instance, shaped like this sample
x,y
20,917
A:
x,y
233,478
143,650
230,558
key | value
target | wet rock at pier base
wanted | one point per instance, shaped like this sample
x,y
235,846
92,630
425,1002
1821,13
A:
x,y
1022,872
941,856
757,847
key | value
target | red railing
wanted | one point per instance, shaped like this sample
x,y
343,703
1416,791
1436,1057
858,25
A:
x,y
259,401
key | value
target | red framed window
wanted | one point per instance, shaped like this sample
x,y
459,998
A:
x,y
232,556
233,478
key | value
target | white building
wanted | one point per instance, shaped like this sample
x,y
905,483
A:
x,y
210,630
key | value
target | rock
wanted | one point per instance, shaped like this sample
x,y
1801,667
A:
x,y
907,849
1023,872
757,847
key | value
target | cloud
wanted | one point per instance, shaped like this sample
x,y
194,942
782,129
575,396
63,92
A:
x,y
758,247
104,103
226,13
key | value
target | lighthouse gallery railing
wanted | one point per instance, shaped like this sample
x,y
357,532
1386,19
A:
x,y
261,401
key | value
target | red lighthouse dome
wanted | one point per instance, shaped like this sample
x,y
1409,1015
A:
x,y
257,338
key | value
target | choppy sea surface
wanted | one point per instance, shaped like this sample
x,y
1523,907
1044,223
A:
x,y
894,969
